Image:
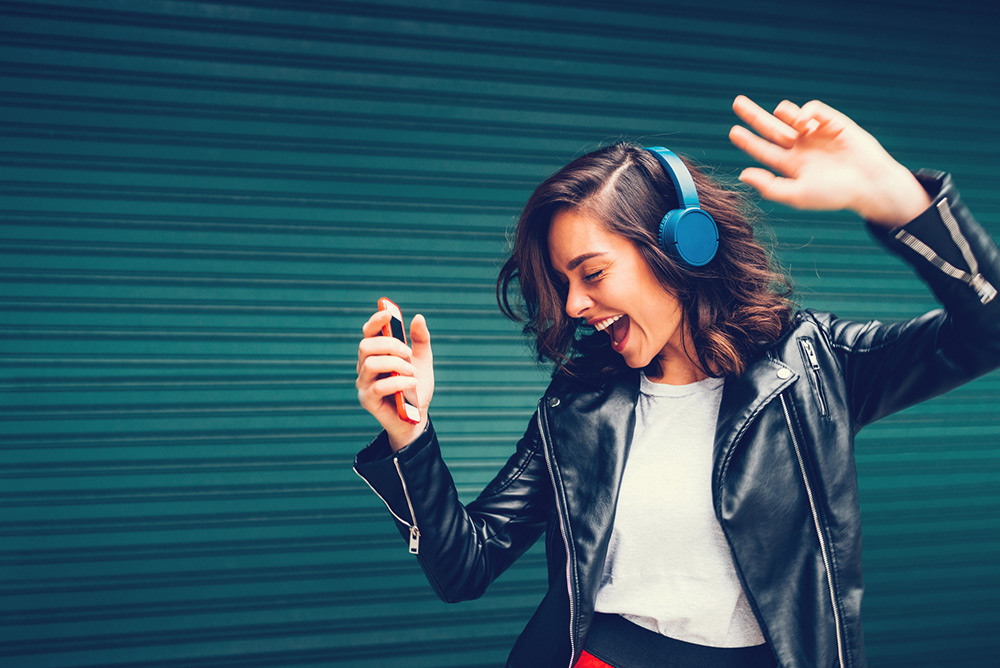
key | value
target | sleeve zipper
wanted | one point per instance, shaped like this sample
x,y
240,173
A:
x,y
414,531
984,290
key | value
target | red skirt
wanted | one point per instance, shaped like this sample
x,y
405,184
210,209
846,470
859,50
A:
x,y
588,660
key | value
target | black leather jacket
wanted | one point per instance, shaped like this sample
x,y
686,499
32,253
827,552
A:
x,y
783,483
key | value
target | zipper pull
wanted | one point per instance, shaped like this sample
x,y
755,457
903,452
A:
x,y
810,353
414,531
983,288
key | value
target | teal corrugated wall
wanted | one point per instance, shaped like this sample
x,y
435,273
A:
x,y
200,203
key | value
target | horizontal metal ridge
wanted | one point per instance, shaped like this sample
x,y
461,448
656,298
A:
x,y
248,197
317,281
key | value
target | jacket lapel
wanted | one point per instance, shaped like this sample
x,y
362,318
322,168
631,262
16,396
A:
x,y
590,434
743,397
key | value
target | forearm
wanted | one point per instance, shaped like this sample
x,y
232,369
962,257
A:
x,y
889,367
461,549
951,251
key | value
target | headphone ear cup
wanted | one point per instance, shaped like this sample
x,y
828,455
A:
x,y
690,236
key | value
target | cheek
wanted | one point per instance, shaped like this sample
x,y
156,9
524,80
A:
x,y
662,316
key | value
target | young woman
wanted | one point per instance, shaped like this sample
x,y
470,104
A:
x,y
691,462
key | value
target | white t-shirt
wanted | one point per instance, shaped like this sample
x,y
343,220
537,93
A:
x,y
669,568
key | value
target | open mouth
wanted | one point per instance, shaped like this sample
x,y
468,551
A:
x,y
607,322
617,328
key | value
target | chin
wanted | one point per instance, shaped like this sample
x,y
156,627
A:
x,y
636,363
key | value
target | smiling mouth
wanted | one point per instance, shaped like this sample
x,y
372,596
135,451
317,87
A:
x,y
617,328
604,324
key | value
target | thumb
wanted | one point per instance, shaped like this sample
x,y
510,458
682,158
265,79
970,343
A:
x,y
420,336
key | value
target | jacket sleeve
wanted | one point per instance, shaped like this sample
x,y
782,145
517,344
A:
x,y
461,549
890,367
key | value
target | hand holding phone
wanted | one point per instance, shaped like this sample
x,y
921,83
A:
x,y
406,409
386,366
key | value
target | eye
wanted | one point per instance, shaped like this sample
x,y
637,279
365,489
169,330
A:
x,y
594,276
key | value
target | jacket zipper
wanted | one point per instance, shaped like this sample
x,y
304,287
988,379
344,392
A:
x,y
563,531
414,531
819,530
814,376
984,290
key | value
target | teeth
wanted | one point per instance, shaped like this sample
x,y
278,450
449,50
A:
x,y
604,324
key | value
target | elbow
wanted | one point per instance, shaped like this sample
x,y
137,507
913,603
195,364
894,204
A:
x,y
453,587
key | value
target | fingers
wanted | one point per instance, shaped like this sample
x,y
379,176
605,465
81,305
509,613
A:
x,y
375,323
761,150
376,369
382,346
811,116
758,178
771,127
794,116
374,345
823,114
373,366
789,121
774,188
377,397
387,366
787,112
382,388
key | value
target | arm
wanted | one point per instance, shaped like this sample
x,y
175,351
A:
x,y
890,367
461,549
826,161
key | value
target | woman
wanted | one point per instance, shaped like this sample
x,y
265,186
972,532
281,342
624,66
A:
x,y
691,462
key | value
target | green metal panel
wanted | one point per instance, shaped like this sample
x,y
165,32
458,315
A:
x,y
200,203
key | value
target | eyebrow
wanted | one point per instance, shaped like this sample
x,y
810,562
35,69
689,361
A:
x,y
580,259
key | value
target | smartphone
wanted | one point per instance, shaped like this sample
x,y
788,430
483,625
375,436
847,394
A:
x,y
404,408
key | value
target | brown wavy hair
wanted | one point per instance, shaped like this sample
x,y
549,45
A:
x,y
733,306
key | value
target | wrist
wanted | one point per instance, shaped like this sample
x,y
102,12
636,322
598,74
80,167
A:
x,y
400,438
894,199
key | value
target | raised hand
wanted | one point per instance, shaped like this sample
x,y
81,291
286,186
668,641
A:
x,y
818,158
378,356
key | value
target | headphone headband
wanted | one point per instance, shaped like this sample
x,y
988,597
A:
x,y
679,175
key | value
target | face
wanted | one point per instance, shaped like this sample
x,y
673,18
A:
x,y
611,286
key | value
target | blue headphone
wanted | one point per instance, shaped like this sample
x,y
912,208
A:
x,y
688,234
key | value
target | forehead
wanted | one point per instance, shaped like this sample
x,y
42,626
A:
x,y
573,232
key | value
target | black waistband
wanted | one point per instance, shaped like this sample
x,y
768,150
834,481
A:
x,y
615,640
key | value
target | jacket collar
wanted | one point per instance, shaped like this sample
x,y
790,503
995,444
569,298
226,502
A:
x,y
597,424
743,397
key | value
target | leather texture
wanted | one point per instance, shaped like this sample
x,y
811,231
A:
x,y
784,482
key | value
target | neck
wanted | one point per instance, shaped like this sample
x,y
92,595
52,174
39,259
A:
x,y
674,371
676,365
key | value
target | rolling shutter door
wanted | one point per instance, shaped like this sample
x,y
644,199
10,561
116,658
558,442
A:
x,y
200,203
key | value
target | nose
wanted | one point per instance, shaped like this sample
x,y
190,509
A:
x,y
577,301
